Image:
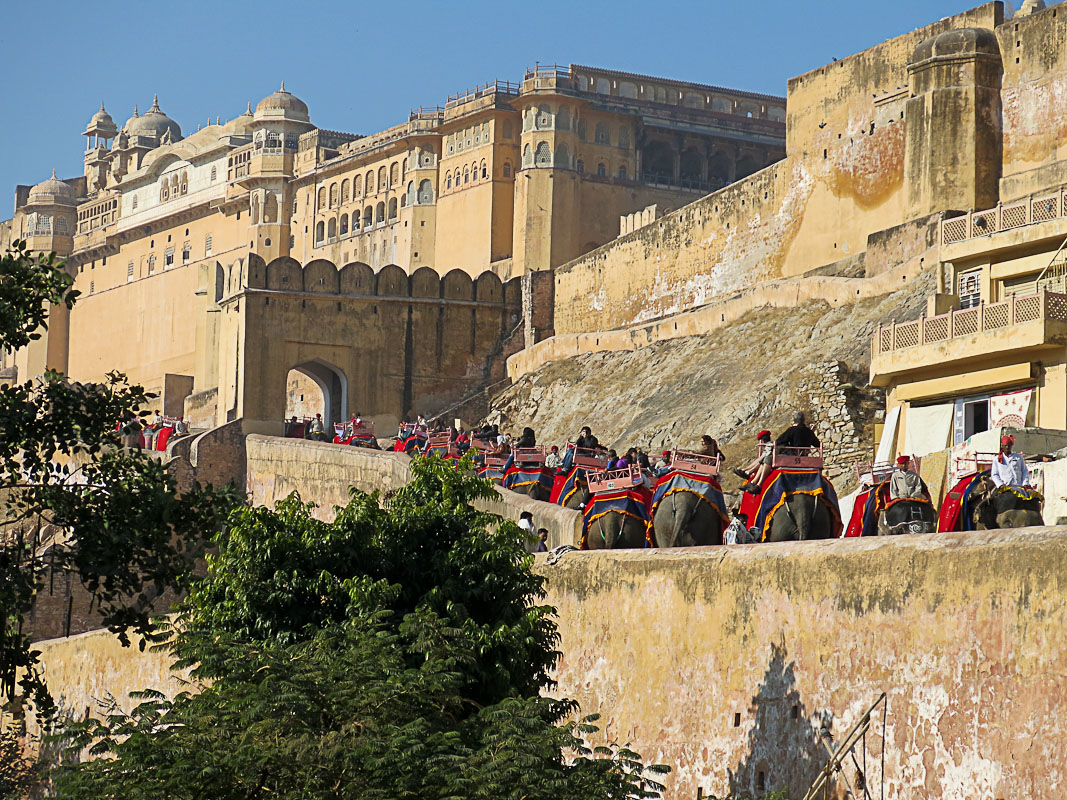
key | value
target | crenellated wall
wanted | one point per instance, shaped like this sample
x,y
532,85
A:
x,y
386,344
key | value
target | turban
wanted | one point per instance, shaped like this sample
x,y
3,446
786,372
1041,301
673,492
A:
x,y
903,459
763,434
1007,440
665,453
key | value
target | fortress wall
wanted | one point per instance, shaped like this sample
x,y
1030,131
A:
x,y
787,293
145,329
1035,102
843,179
322,473
726,662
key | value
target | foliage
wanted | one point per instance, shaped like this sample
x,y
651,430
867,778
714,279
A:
x,y
73,499
17,773
397,652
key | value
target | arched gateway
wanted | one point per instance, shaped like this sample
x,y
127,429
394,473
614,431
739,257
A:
x,y
386,344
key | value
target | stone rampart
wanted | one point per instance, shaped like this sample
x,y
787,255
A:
x,y
728,663
323,473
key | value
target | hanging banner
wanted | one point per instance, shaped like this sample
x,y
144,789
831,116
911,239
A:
x,y
1009,410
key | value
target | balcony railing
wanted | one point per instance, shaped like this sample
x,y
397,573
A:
x,y
969,321
1035,208
492,87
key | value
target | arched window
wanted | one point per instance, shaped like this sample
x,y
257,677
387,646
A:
x,y
580,166
381,179
528,119
505,129
507,169
61,224
333,195
214,173
403,167
342,227
601,134
426,192
544,117
368,217
185,181
527,156
411,191
331,229
379,213
624,137
152,262
563,119
563,157
344,191
448,181
320,231
134,203
543,156
466,175
474,171
581,130
370,183
485,172
622,171
322,198
357,186
392,208
394,174
601,170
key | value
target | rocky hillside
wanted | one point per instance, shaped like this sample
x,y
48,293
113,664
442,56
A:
x,y
730,383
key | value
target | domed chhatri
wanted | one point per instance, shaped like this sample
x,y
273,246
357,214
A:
x,y
957,42
52,191
283,104
152,123
101,119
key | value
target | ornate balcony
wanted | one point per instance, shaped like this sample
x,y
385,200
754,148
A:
x,y
1005,217
1034,323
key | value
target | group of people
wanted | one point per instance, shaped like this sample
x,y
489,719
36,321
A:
x,y
315,428
144,434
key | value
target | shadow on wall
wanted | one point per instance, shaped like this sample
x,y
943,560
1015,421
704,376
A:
x,y
784,751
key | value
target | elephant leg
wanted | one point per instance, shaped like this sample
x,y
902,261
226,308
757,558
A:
x,y
669,515
783,529
803,508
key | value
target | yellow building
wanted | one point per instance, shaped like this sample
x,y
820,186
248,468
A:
x,y
503,180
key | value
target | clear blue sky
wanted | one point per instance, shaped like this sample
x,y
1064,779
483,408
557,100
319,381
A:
x,y
361,67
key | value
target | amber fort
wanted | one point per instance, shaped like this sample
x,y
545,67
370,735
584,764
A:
x,y
884,244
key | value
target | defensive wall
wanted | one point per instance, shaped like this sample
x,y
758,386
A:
x,y
879,145
729,663
323,473
382,343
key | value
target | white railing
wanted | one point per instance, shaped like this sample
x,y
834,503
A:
x,y
969,321
1035,208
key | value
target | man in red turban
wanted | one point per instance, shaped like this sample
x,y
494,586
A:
x,y
905,484
1009,469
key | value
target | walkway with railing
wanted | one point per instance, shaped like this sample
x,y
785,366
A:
x,y
969,321
1035,208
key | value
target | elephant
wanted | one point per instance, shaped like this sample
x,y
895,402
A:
x,y
997,508
803,516
907,516
578,499
684,519
615,531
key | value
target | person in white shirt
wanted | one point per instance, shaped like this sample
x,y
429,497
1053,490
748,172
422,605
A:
x,y
529,532
552,460
1008,468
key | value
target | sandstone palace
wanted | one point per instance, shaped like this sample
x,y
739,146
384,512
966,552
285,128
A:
x,y
381,272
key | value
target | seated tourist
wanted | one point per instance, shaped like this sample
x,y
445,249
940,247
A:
x,y
710,447
586,440
527,439
798,434
181,428
315,429
757,471
663,461
553,460
1008,468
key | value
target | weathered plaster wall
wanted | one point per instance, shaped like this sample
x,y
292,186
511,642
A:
x,y
727,662
1034,98
843,179
960,630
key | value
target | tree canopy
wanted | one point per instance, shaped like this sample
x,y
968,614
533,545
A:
x,y
73,499
400,651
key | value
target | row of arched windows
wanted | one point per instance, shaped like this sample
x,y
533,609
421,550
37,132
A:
x,y
472,173
337,194
175,186
372,215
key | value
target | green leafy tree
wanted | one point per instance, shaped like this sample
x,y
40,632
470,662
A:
x,y
399,651
73,499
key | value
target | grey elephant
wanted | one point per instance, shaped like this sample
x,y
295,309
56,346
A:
x,y
802,516
907,516
1005,507
684,519
613,531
